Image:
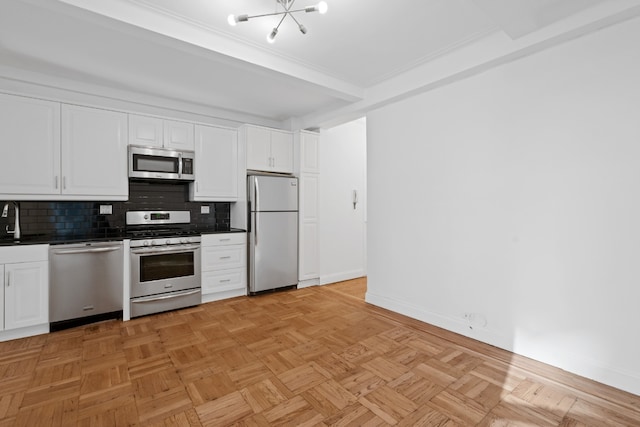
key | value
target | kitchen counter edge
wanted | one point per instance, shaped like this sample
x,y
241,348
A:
x,y
52,240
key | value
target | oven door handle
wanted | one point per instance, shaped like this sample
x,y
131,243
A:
x,y
172,249
164,297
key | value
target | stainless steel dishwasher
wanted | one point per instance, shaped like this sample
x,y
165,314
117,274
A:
x,y
86,281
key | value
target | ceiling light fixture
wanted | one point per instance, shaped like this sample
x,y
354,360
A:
x,y
287,5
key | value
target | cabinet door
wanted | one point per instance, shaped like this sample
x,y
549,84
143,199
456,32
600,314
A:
x,y
308,256
258,149
31,128
309,154
178,135
147,131
26,294
216,164
94,152
282,152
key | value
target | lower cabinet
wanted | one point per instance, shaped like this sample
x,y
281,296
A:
x,y
224,266
24,298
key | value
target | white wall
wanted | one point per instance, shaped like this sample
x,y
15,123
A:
x,y
342,228
514,196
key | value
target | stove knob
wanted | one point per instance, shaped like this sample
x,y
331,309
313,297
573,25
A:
x,y
146,216
168,242
183,241
145,243
154,243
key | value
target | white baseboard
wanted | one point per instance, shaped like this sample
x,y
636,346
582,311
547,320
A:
x,y
29,331
217,296
574,363
342,276
309,282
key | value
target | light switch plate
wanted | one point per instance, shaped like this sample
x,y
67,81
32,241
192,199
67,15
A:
x,y
204,209
106,209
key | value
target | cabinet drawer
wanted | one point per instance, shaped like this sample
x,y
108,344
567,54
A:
x,y
223,257
27,253
223,280
224,239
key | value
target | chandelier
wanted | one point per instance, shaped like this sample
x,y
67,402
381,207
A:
x,y
287,5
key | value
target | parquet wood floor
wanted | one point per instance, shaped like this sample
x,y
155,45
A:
x,y
311,357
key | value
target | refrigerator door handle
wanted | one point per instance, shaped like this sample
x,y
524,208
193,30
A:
x,y
256,192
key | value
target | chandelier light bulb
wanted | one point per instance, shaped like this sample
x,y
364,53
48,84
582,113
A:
x,y
272,36
303,29
232,20
322,7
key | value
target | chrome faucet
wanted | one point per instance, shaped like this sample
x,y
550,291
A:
x,y
16,227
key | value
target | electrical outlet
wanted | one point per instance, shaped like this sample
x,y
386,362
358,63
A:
x,y
204,210
106,209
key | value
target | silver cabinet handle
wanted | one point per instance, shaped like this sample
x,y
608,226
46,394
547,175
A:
x,y
64,182
225,257
85,251
55,180
224,280
8,279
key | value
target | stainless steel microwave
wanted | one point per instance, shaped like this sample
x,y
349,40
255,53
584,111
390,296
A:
x,y
160,163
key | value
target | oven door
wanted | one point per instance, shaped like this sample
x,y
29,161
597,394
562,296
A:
x,y
156,270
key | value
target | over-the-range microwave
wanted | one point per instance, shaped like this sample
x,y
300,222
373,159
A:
x,y
161,163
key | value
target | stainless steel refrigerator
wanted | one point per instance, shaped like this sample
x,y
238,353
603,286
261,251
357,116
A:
x,y
273,232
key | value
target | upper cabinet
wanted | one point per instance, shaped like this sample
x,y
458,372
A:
x,y
216,165
94,152
309,154
61,152
268,150
30,134
155,132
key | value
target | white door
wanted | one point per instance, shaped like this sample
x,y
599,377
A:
x,y
94,152
26,293
31,127
342,225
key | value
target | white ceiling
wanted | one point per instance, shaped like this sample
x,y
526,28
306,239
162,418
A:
x,y
360,55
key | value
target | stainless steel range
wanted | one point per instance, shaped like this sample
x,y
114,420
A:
x,y
165,261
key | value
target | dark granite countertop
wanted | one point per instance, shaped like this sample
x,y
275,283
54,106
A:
x,y
48,239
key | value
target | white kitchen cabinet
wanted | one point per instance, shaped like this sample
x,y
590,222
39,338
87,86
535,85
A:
x,y
26,294
268,150
216,165
61,152
309,152
178,135
308,265
224,266
156,132
308,218
24,297
94,153
31,128
145,130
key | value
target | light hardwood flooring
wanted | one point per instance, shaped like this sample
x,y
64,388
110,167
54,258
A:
x,y
311,357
